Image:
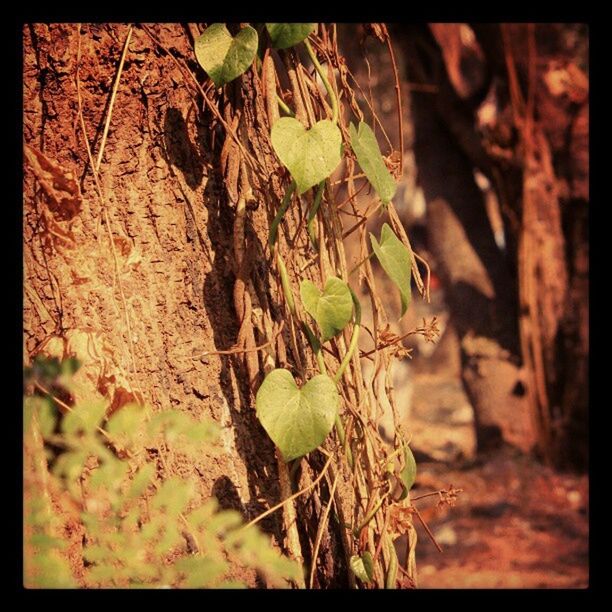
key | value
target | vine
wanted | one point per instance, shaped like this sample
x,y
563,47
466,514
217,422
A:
x,y
311,142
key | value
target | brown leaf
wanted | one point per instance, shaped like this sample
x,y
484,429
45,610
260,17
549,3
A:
x,y
63,195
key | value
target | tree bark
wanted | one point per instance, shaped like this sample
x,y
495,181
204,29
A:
x,y
136,282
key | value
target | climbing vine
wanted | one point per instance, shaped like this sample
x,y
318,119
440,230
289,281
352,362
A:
x,y
313,143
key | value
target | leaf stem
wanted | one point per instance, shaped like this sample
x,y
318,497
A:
x,y
328,87
284,107
315,345
357,266
313,213
280,214
354,338
370,515
285,284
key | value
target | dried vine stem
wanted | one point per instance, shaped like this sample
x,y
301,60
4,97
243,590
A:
x,y
306,240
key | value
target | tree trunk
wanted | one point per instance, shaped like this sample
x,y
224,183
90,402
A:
x,y
481,289
534,150
133,273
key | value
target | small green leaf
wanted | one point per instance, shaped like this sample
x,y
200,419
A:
x,y
169,539
84,418
46,418
395,259
110,475
408,474
96,553
70,465
309,155
44,542
126,426
297,420
223,521
363,142
45,412
201,572
141,480
225,57
173,496
285,35
363,567
331,309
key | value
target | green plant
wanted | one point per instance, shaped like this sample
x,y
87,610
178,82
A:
x,y
140,530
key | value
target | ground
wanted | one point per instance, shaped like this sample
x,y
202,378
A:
x,y
517,523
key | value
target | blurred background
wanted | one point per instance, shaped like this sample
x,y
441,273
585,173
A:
x,y
494,195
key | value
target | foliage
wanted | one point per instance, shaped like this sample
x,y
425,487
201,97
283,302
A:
x,y
285,35
395,259
225,57
370,159
310,155
142,529
297,420
145,527
363,566
331,309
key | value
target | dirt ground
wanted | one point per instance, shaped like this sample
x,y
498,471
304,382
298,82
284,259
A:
x,y
517,523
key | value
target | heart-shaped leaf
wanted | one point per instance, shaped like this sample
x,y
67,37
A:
x,y
370,159
310,155
363,567
285,35
331,309
297,420
395,259
225,57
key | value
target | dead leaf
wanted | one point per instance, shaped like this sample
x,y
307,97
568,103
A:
x,y
63,195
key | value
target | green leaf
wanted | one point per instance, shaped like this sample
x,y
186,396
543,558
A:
x,y
127,425
96,554
84,418
225,57
408,474
110,475
46,418
141,480
297,420
224,521
310,155
201,572
45,413
363,567
285,35
44,542
70,465
199,518
370,159
331,309
173,496
172,423
395,259
170,539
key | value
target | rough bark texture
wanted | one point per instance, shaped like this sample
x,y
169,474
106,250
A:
x,y
141,284
171,229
